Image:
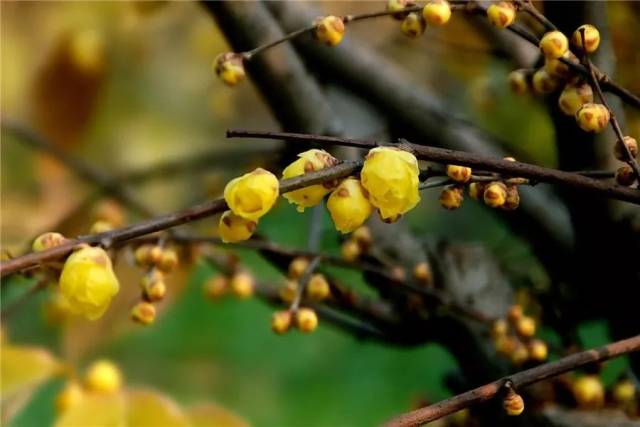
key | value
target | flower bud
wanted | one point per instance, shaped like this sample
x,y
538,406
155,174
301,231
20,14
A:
x,y
242,284
538,350
520,354
168,261
588,392
349,206
501,14
625,176
306,320
451,197
624,391
142,255
499,328
526,326
69,396
460,174
593,117
47,241
289,291
350,250
515,313
591,38
297,267
543,83
554,45
632,147
476,190
100,227
519,82
362,236
513,198
505,344
233,228
253,194
318,288
390,175
437,12
111,211
88,282
398,6
281,321
573,97
309,161
495,195
103,376
143,313
216,287
329,30
229,68
513,403
413,25
153,286
422,272
558,69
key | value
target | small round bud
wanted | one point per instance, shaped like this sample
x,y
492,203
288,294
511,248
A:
x,y
154,287
495,195
476,190
329,30
437,12
591,38
515,313
451,197
168,261
398,6
543,83
413,25
513,198
103,376
229,68
593,117
350,250
362,236
306,320
318,288
297,267
625,176
554,45
281,322
573,97
526,326
69,396
143,313
459,174
538,350
505,345
513,403
242,284
558,69
624,391
422,272
632,146
499,328
519,82
155,254
142,255
216,287
501,14
520,354
233,228
100,226
588,392
47,241
288,292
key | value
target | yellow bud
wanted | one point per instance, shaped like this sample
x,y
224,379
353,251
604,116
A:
x,y
499,328
413,25
110,211
625,176
538,350
543,83
390,175
554,45
588,392
591,37
229,68
451,197
309,161
501,14
556,67
100,227
573,97
216,287
398,6
329,30
513,403
69,397
350,250
632,146
526,326
153,286
233,228
318,288
47,241
515,313
143,313
476,190
306,320
495,195
288,292
242,284
253,194
349,206
168,261
593,117
422,272
519,82
624,391
460,174
281,322
505,344
520,354
142,255
437,12
297,267
513,199
362,236
103,376
155,253
88,282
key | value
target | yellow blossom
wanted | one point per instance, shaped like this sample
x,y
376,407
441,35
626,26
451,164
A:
x,y
233,228
329,30
309,161
437,12
349,206
253,194
103,376
229,68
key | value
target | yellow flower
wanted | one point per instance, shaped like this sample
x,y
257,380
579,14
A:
x,y
233,228
253,194
309,161
88,282
390,175
329,30
103,376
459,173
437,12
349,206
451,197
229,68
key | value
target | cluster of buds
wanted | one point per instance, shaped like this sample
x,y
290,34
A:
x,y
317,288
102,377
357,244
625,150
158,261
240,284
414,23
305,319
514,337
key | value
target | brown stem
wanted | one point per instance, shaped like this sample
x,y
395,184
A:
x,y
520,379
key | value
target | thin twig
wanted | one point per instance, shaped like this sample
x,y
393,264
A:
x,y
302,283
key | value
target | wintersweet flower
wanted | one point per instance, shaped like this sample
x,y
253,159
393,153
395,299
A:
x,y
253,194
349,206
309,161
233,228
329,30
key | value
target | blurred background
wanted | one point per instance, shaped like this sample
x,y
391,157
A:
x,y
128,88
